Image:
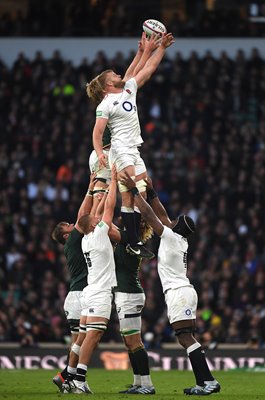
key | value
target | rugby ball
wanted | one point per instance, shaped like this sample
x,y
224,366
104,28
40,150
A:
x,y
151,26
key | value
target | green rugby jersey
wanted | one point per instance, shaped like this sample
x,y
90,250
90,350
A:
x,y
127,268
76,261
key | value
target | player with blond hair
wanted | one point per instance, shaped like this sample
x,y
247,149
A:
x,y
117,109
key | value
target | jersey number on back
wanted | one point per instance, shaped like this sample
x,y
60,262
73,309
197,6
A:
x,y
88,260
185,256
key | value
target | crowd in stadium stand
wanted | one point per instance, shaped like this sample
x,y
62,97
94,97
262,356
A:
x,y
82,18
203,122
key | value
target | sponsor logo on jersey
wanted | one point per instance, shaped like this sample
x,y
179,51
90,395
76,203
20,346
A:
x,y
115,103
139,308
99,114
91,310
100,224
66,313
188,312
127,106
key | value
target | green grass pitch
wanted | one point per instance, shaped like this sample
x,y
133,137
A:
x,y
37,385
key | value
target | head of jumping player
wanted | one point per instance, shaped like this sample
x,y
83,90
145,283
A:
x,y
107,82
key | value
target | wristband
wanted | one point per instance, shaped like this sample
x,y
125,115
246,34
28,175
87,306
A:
x,y
151,193
89,193
134,191
99,191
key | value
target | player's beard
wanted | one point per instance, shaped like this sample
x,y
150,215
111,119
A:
x,y
119,85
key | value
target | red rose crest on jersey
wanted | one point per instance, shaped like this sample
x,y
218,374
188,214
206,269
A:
x,y
128,91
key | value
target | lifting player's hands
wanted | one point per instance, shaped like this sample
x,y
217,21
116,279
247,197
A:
x,y
102,159
92,181
114,173
126,180
92,178
149,183
167,40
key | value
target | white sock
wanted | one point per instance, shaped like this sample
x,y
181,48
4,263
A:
x,y
71,370
210,382
146,380
136,380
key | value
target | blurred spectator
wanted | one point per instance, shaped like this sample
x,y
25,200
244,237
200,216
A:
x,y
110,18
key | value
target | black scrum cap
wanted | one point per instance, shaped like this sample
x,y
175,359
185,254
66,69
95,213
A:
x,y
185,226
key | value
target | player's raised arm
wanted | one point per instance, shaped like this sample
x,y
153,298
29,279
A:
x,y
111,199
156,204
87,202
151,65
135,61
145,50
150,45
147,213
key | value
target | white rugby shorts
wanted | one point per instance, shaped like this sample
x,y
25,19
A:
x,y
72,305
94,165
96,303
129,307
181,303
127,157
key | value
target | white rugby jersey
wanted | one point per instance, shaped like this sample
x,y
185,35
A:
x,y
99,257
121,111
172,260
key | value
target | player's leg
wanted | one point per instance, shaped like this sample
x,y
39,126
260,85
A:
x,y
103,176
139,361
72,309
140,182
125,162
97,311
183,301
95,327
129,306
141,175
63,375
75,349
127,209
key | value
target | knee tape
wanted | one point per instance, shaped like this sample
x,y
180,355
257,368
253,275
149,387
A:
x,y
130,325
82,328
141,185
96,326
122,187
129,332
74,325
127,209
76,349
183,330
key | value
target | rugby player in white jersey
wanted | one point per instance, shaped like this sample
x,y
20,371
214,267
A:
x,y
97,296
180,296
70,237
117,109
